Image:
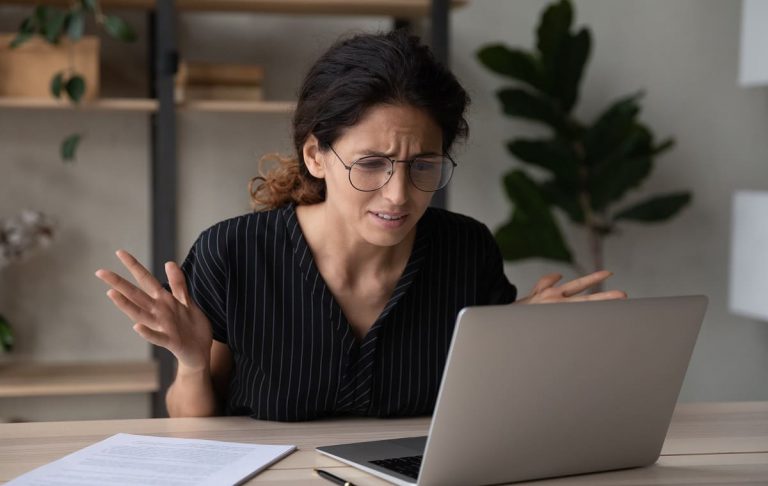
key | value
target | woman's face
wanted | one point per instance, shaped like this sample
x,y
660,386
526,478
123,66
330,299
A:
x,y
383,217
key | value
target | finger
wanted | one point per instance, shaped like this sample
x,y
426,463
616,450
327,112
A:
x,y
135,294
143,277
154,337
609,295
177,282
580,284
134,312
546,282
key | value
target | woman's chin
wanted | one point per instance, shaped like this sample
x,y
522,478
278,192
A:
x,y
387,234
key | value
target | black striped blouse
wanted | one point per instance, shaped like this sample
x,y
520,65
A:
x,y
295,357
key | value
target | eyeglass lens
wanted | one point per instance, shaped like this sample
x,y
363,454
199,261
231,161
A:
x,y
427,174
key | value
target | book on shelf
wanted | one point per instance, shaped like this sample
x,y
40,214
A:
x,y
219,81
222,92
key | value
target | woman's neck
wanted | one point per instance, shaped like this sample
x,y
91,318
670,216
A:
x,y
347,258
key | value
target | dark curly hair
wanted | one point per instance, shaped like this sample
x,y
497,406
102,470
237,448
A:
x,y
352,76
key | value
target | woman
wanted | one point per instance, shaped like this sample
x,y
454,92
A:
x,y
340,295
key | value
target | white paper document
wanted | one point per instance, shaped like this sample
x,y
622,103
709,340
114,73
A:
x,y
126,459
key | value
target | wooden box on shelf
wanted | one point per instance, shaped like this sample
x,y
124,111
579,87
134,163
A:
x,y
219,81
27,70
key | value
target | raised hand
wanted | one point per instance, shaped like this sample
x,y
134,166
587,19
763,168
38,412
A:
x,y
545,291
168,319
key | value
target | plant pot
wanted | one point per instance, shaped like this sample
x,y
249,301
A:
x,y
27,70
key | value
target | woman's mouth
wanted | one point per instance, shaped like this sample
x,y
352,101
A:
x,y
389,220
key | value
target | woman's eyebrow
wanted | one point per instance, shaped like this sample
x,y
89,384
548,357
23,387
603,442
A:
x,y
390,156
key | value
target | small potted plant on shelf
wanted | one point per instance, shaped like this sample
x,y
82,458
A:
x,y
20,236
65,28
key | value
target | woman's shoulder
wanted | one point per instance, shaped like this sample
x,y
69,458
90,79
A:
x,y
245,226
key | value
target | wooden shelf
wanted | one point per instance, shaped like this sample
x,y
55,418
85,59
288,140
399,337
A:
x,y
105,104
394,8
45,379
238,106
149,105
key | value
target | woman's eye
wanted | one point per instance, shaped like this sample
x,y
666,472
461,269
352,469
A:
x,y
425,165
372,164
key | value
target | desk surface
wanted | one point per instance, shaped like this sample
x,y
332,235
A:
x,y
712,443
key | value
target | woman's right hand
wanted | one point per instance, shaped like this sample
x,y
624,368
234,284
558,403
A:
x,y
171,320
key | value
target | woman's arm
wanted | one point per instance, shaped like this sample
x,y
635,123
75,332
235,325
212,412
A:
x,y
201,392
174,321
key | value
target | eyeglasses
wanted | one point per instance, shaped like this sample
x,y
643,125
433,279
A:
x,y
428,173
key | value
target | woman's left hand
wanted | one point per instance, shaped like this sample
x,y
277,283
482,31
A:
x,y
545,291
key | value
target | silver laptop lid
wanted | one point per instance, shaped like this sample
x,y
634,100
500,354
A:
x,y
533,391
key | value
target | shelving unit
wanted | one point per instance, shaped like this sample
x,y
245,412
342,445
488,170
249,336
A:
x,y
162,108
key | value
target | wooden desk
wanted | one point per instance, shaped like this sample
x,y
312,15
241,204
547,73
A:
x,y
708,443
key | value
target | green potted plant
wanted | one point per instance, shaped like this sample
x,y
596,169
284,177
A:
x,y
589,167
54,24
20,236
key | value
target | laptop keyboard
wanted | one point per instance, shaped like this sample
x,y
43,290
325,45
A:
x,y
407,466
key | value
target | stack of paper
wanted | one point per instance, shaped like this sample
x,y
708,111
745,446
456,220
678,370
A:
x,y
126,459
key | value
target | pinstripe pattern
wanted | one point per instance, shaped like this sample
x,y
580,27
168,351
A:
x,y
295,356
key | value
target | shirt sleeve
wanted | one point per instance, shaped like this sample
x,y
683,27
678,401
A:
x,y
205,271
496,289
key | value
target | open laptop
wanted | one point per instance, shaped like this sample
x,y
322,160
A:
x,y
537,391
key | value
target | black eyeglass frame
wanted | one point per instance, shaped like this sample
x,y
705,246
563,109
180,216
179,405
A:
x,y
392,171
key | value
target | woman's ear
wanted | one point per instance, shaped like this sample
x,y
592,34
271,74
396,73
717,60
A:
x,y
313,158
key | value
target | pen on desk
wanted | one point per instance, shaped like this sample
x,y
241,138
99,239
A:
x,y
332,478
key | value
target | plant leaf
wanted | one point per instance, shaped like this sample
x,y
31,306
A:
x,y
569,68
658,208
514,63
119,28
57,83
611,128
565,198
664,146
40,16
532,231
55,25
28,25
76,25
89,5
20,38
613,180
554,155
523,104
69,147
552,30
6,335
75,87
26,32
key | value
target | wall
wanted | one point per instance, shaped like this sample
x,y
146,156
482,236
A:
x,y
683,54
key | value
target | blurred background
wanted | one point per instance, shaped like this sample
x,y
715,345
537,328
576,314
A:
x,y
76,357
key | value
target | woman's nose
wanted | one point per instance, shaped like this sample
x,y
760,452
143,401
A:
x,y
396,190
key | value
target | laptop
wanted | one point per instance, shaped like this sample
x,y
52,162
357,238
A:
x,y
541,391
